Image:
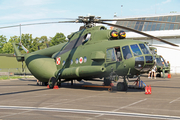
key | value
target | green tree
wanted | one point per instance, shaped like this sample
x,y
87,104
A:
x,y
43,42
34,46
27,41
57,39
8,48
3,40
15,39
30,43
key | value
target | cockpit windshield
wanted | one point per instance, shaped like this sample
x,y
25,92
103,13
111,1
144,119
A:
x,y
144,49
135,49
160,60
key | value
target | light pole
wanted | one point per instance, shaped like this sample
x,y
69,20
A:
x,y
121,10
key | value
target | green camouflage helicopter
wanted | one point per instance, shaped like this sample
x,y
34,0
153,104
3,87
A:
x,y
159,62
92,52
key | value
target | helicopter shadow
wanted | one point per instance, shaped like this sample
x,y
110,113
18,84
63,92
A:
x,y
153,80
80,86
19,92
166,87
27,80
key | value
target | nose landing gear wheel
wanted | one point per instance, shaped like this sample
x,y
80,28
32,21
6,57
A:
x,y
52,82
121,86
107,82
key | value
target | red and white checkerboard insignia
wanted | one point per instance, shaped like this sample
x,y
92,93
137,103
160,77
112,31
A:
x,y
80,60
58,61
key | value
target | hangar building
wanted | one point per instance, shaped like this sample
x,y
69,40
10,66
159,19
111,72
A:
x,y
168,32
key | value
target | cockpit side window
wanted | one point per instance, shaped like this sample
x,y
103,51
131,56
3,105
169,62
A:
x,y
110,55
144,49
113,54
135,49
126,52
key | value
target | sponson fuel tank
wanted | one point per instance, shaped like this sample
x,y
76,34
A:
x,y
83,71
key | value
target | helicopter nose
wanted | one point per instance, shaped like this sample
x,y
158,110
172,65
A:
x,y
144,63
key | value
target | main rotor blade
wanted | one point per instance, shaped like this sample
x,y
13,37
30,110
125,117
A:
x,y
140,21
37,24
164,47
142,33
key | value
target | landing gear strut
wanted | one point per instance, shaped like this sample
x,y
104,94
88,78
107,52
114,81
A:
x,y
71,82
112,77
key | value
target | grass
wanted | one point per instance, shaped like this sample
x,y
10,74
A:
x,y
10,77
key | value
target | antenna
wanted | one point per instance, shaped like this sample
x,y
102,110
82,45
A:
x,y
20,32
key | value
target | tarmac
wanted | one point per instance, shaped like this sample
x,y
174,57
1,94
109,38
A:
x,y
22,99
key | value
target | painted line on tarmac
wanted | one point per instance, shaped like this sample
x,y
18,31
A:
x,y
129,105
174,100
127,114
120,108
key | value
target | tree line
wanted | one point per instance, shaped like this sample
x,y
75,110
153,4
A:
x,y
32,44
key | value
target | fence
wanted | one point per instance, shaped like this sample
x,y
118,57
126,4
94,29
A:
x,y
175,69
14,71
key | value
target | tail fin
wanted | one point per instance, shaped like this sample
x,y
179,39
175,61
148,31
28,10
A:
x,y
18,54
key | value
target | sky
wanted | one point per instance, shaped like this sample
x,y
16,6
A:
x,y
15,12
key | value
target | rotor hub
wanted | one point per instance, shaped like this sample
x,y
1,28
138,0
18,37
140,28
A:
x,y
88,21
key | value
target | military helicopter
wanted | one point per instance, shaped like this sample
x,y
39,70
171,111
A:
x,y
92,52
159,62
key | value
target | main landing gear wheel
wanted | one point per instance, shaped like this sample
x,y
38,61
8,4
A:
x,y
158,75
121,86
52,82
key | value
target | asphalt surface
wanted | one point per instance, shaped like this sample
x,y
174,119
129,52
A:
x,y
22,99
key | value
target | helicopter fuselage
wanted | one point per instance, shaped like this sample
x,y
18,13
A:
x,y
90,53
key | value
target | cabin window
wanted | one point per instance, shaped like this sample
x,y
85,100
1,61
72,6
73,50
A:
x,y
126,52
135,49
144,49
86,38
